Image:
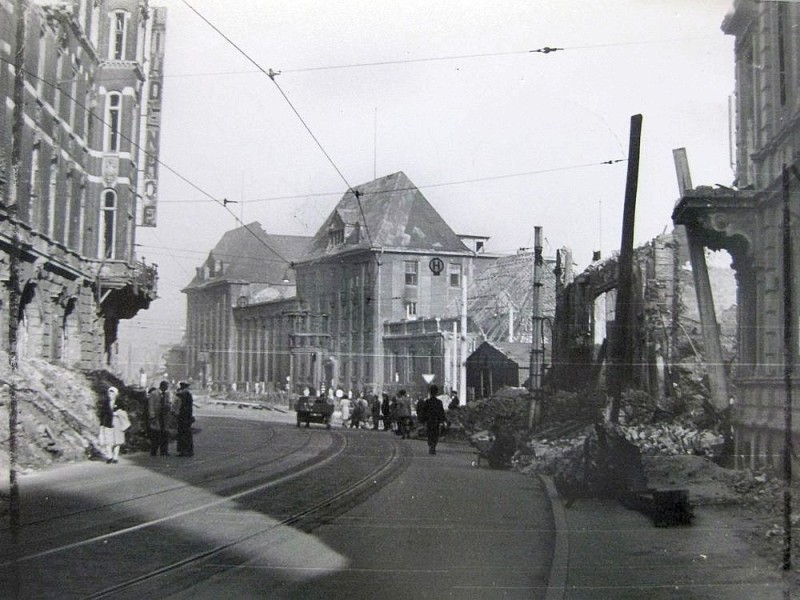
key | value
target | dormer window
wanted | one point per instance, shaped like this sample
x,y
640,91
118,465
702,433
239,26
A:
x,y
336,237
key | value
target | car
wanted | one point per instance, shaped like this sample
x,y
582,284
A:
x,y
313,410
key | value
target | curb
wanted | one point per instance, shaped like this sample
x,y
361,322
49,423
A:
x,y
557,580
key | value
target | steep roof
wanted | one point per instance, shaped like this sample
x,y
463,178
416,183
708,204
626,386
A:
x,y
250,254
397,216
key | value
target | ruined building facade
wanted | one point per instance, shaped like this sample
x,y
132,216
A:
x,y
80,87
756,221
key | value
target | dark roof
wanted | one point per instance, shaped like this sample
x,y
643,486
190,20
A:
x,y
518,352
250,254
397,216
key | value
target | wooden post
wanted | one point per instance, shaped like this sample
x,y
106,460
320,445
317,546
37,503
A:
x,y
788,368
536,329
705,296
622,356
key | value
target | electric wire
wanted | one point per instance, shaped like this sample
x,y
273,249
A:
x,y
271,74
223,203
543,50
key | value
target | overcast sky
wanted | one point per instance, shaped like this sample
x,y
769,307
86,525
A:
x,y
499,139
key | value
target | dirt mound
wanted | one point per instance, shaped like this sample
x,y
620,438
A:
x,y
57,413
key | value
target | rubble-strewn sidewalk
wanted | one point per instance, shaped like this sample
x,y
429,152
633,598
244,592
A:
x,y
606,551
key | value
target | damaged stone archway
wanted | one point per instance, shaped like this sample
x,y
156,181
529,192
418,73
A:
x,y
722,219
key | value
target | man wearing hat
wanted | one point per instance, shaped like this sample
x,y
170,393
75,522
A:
x,y
185,419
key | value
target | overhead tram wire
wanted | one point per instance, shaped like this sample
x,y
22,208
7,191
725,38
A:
x,y
223,203
430,185
403,61
272,74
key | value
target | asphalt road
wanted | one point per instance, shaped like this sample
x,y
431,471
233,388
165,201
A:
x,y
268,510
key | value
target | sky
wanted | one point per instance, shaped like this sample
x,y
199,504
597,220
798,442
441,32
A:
x,y
498,138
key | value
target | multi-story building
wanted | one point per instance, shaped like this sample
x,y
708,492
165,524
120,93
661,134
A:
x,y
248,270
757,222
383,257
80,85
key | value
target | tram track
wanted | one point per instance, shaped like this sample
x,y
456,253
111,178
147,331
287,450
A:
x,y
298,496
188,569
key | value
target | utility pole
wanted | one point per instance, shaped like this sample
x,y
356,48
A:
x,y
462,363
537,353
622,354
12,205
788,368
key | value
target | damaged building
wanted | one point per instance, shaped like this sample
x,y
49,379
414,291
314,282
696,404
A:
x,y
665,319
84,89
756,222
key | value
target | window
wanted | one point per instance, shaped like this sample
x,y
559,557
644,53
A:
x,y
119,21
114,104
412,270
52,190
336,237
109,216
411,311
784,38
455,275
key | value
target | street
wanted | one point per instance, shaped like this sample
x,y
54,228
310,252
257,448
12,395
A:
x,y
269,510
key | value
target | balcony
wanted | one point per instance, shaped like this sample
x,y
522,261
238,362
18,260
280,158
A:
x,y
124,289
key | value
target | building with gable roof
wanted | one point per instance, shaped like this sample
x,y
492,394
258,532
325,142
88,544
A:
x,y
384,273
247,267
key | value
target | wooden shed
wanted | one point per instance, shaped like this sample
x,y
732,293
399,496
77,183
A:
x,y
494,365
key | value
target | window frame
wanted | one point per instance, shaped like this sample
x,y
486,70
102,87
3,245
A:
x,y
108,230
411,271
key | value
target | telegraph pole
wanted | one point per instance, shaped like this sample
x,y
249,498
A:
x,y
537,352
788,368
622,353
12,204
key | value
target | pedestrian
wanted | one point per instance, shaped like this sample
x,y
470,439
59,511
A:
x,y
344,406
386,412
403,414
121,424
105,437
455,404
359,412
375,407
185,419
434,418
158,416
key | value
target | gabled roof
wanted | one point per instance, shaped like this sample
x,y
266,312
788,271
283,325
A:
x,y
518,352
250,254
397,216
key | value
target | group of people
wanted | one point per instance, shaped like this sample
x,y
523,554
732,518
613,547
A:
x,y
164,413
396,413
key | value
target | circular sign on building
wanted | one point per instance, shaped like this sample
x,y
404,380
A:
x,y
436,265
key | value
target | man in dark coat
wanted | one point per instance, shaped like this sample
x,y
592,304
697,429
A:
x,y
185,420
158,414
433,413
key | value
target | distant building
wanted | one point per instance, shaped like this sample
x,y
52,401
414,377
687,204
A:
x,y
748,221
383,257
72,167
247,270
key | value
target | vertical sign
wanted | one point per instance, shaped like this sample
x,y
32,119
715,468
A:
x,y
153,123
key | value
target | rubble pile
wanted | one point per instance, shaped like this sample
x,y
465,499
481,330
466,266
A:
x,y
606,459
57,413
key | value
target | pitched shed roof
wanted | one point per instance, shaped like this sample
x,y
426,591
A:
x,y
396,214
250,254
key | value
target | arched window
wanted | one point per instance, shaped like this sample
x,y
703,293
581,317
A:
x,y
109,221
118,29
113,116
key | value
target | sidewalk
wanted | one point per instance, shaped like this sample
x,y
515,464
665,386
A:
x,y
604,550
